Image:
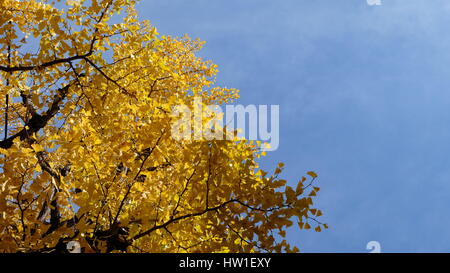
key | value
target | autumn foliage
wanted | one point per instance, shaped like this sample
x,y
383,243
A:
x,y
87,153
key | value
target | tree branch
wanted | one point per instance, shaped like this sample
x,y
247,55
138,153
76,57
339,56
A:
x,y
38,121
173,220
45,64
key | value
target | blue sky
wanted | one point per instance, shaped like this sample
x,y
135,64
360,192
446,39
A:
x,y
364,95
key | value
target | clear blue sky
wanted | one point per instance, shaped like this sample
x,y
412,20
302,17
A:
x,y
364,95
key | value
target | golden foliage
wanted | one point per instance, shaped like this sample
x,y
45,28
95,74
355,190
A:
x,y
88,155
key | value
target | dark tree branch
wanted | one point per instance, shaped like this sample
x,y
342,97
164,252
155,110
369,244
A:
x,y
45,64
176,219
38,121
115,82
146,155
7,95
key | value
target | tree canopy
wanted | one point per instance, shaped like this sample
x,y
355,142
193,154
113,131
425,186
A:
x,y
87,153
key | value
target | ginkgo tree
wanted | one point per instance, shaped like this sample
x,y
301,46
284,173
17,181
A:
x,y
87,154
